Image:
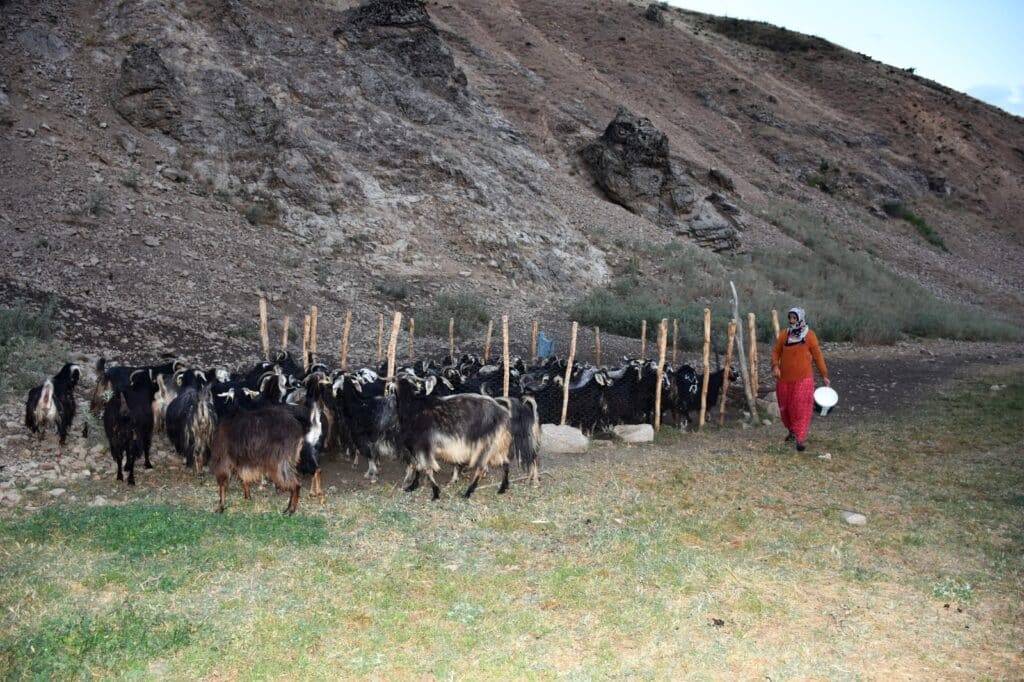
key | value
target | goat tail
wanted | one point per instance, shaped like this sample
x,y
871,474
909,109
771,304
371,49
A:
x,y
524,430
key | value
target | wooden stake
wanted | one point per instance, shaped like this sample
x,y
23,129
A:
x,y
533,342
312,330
725,375
264,331
487,341
752,330
775,325
504,355
662,342
412,339
380,339
707,367
284,334
568,373
451,338
305,343
344,340
643,339
597,346
751,402
396,327
675,335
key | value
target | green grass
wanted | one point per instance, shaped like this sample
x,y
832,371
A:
x,y
28,352
849,294
395,290
923,228
619,566
469,311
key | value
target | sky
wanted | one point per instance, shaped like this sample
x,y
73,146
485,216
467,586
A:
x,y
975,47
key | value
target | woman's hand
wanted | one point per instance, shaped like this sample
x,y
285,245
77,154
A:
x,y
776,372
828,382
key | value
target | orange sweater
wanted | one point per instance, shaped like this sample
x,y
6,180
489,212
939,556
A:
x,y
795,359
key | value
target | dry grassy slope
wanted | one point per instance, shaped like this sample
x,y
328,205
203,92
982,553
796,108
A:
x,y
556,71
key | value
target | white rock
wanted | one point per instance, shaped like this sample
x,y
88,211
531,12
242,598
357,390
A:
x,y
827,457
772,405
56,492
854,519
11,498
995,387
98,501
557,439
634,433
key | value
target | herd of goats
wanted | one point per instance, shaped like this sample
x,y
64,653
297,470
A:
x,y
274,420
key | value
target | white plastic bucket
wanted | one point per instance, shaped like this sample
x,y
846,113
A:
x,y
825,398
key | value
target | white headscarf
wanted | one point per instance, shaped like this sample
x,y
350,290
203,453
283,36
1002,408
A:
x,y
798,331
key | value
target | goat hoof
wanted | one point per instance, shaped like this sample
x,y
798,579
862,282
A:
x,y
147,465
220,509
131,481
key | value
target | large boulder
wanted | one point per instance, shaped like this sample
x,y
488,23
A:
x,y
147,94
634,433
562,440
631,164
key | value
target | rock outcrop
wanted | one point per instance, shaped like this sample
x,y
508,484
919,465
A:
x,y
631,163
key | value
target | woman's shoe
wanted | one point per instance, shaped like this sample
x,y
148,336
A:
x,y
800,447
791,437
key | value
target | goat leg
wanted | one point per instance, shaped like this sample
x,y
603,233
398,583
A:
x,y
415,483
477,475
293,500
246,490
223,485
504,478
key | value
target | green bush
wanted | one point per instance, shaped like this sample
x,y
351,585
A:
x,y
28,353
396,291
926,230
469,312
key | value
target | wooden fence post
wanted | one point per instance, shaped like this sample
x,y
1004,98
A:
x,y
264,331
305,343
487,341
751,398
312,330
675,335
568,373
380,339
662,341
643,339
752,329
396,327
597,346
284,334
504,355
775,325
707,367
451,338
344,340
412,339
725,374
533,342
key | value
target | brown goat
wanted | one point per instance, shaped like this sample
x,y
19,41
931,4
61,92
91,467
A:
x,y
267,442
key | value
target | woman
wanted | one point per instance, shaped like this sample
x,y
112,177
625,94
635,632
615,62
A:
x,y
794,377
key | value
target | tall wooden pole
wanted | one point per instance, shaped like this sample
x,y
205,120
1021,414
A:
x,y
752,330
396,327
504,355
675,335
487,341
707,367
380,339
535,329
264,331
284,334
344,340
412,339
662,341
451,338
305,343
775,325
643,339
751,402
568,373
312,330
597,346
725,374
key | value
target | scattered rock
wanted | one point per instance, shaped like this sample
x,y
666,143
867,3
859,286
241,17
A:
x,y
173,174
654,14
557,439
98,501
827,456
634,433
147,94
56,492
996,387
150,240
854,518
11,498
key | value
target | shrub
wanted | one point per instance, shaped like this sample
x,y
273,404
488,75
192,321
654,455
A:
x,y
926,230
469,312
396,291
28,353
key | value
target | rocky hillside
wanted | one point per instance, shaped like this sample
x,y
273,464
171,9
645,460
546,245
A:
x,y
163,163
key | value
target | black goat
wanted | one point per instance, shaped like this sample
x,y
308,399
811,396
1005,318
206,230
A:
x,y
525,428
114,379
367,417
685,389
53,405
191,420
251,444
128,423
465,429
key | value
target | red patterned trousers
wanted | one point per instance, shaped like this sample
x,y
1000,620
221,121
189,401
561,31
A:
x,y
796,402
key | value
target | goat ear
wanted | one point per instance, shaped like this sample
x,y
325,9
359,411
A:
x,y
429,384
